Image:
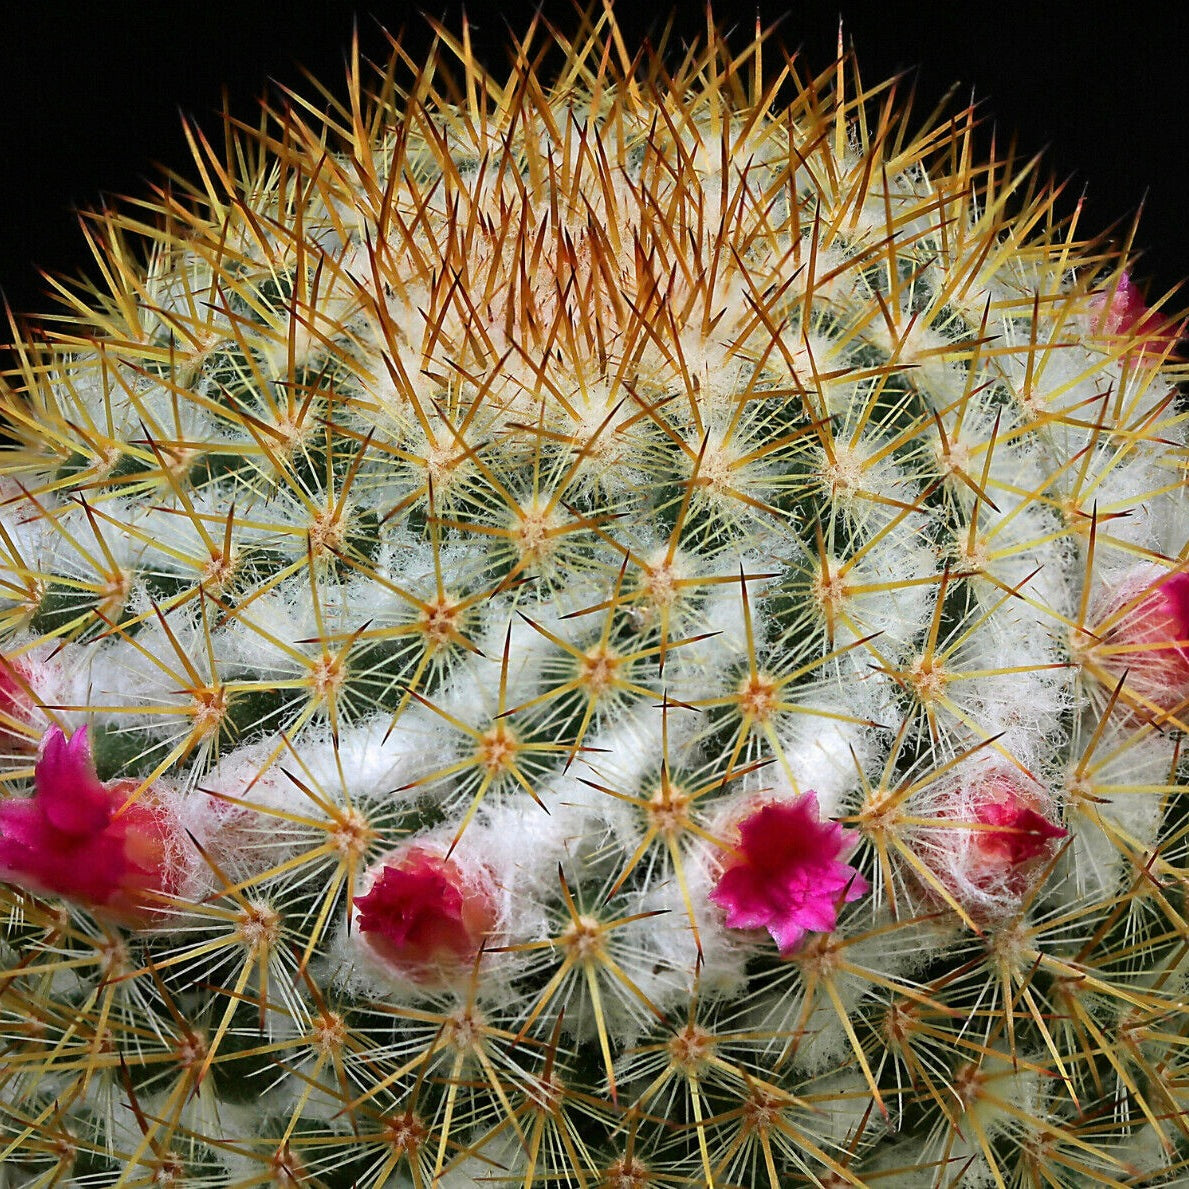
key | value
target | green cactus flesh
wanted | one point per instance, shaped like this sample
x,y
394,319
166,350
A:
x,y
625,628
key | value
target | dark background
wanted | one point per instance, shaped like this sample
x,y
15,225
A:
x,y
91,97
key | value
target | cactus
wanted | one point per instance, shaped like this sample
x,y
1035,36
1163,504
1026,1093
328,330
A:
x,y
621,625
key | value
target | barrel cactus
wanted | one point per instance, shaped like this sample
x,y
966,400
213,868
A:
x,y
624,624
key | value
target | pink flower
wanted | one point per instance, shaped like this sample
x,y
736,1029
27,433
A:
x,y
1121,311
1141,630
787,875
426,916
72,839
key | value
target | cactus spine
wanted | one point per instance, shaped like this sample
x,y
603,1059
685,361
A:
x,y
624,626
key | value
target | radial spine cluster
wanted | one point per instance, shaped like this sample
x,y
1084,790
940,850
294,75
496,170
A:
x,y
619,624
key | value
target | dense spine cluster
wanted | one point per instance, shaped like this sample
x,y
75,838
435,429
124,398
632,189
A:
x,y
624,625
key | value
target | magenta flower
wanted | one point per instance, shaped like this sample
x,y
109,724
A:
x,y
786,874
424,915
1121,311
72,838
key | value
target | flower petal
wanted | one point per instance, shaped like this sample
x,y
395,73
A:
x,y
69,792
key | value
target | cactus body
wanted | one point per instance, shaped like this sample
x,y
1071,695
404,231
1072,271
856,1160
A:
x,y
618,627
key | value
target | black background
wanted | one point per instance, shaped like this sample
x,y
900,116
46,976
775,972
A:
x,y
91,97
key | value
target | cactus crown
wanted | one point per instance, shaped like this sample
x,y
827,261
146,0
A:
x,y
620,625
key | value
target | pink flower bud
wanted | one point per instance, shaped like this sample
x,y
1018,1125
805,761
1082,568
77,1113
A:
x,y
999,842
1121,311
1009,835
786,874
16,706
425,915
1140,630
73,838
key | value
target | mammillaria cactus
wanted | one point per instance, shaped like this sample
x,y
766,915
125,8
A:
x,y
619,625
